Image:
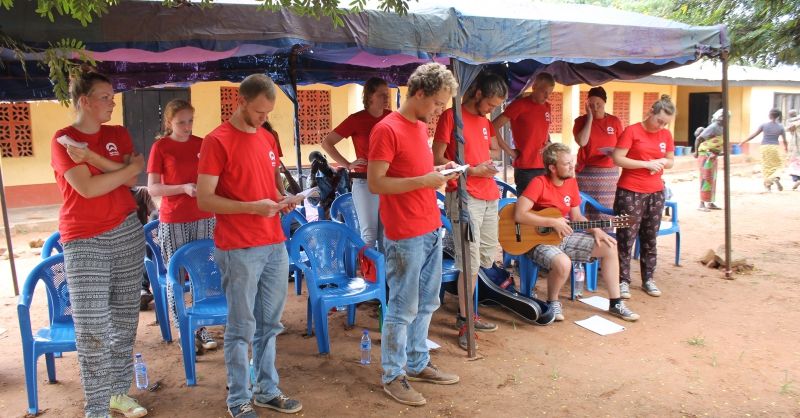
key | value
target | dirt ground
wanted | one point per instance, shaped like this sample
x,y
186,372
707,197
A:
x,y
708,346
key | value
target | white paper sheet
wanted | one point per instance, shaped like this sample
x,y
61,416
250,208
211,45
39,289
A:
x,y
600,325
598,302
65,140
431,345
461,168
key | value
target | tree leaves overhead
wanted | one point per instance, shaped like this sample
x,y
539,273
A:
x,y
762,32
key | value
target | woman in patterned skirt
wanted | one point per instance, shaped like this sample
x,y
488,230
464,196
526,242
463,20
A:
x,y
709,146
172,174
770,154
95,165
597,133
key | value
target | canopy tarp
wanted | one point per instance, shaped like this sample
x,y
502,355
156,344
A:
x,y
577,43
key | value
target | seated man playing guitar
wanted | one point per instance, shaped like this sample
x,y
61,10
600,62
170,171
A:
x,y
559,189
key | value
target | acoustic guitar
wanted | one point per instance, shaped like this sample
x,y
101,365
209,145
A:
x,y
518,239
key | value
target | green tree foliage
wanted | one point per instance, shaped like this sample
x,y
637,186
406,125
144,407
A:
x,y
762,32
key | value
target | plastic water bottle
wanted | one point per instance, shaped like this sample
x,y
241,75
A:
x,y
366,348
580,277
141,372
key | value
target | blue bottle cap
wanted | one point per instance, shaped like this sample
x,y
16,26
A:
x,y
366,331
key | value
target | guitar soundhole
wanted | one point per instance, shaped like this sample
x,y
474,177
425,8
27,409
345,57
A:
x,y
543,230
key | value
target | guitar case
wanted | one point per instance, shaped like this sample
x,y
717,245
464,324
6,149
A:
x,y
531,310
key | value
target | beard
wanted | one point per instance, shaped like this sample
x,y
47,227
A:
x,y
248,121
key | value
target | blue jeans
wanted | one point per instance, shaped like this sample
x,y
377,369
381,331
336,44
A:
x,y
414,276
366,204
255,284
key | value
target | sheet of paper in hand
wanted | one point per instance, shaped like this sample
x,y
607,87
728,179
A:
x,y
65,140
459,169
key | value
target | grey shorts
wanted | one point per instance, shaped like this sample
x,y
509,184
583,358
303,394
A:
x,y
578,247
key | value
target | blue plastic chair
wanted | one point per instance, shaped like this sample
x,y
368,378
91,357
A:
x,y
157,273
58,337
209,306
331,248
667,227
505,189
287,221
52,245
344,210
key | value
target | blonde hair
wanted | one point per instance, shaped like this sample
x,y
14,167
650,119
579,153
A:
x,y
170,110
430,78
82,82
544,78
663,104
550,154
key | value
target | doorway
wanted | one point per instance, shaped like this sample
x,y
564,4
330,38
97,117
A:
x,y
701,107
142,112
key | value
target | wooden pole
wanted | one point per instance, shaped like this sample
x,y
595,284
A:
x,y
727,163
8,234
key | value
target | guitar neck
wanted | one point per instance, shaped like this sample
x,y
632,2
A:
x,y
581,225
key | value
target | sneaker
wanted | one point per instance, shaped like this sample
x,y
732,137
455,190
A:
x,y
778,184
621,311
206,339
651,289
462,338
558,312
145,297
244,410
796,185
432,374
280,403
127,406
400,390
479,323
624,290
712,206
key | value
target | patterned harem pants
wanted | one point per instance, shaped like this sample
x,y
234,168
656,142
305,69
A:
x,y
645,210
104,278
173,236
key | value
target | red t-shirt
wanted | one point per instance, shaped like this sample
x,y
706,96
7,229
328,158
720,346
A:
x,y
358,126
80,217
404,145
644,146
544,194
603,134
176,162
478,133
245,164
530,124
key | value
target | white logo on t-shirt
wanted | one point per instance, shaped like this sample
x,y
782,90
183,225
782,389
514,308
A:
x,y
198,155
485,133
112,149
567,200
547,117
610,130
663,147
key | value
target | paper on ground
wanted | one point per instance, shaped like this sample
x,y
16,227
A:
x,y
598,302
600,325
431,345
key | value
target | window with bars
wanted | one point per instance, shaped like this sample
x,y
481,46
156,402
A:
x,y
786,102
227,102
647,103
622,107
15,130
556,110
314,115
